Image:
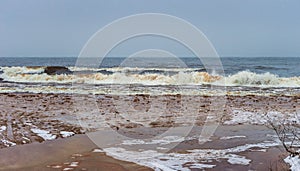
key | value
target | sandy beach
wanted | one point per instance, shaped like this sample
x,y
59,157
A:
x,y
49,131
80,153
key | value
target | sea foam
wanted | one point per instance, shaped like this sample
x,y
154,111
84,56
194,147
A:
x,y
147,76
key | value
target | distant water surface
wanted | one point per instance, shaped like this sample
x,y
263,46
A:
x,y
260,75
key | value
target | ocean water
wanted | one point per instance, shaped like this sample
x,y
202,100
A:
x,y
261,75
281,66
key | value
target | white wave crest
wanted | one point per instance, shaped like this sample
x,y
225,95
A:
x,y
22,70
247,78
180,76
250,78
116,78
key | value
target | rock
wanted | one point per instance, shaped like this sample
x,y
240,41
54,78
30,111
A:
x,y
105,72
57,70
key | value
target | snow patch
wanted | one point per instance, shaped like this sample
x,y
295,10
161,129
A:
x,y
8,143
232,137
294,162
235,159
164,141
65,134
246,117
98,151
74,164
201,166
2,128
259,150
191,159
68,169
43,134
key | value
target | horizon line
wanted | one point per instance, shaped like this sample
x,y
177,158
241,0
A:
x,y
149,57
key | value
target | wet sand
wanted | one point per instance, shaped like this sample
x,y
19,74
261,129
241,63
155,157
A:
x,y
78,152
73,153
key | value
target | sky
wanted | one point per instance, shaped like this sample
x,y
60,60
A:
x,y
60,28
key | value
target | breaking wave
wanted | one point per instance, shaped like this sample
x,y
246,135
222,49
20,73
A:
x,y
145,76
248,78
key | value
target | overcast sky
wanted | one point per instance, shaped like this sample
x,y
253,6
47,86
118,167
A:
x,y
235,27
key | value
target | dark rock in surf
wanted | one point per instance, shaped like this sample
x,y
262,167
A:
x,y
105,72
57,70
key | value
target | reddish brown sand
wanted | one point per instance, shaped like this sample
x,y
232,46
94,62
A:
x,y
59,154
20,112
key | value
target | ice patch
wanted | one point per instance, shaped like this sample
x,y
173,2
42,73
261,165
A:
x,y
235,159
28,123
55,166
294,162
74,164
260,150
76,155
246,117
98,151
25,138
44,134
2,128
242,117
65,134
68,169
161,167
164,141
191,159
203,139
232,137
201,166
8,143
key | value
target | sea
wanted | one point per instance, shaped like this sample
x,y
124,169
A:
x,y
118,75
